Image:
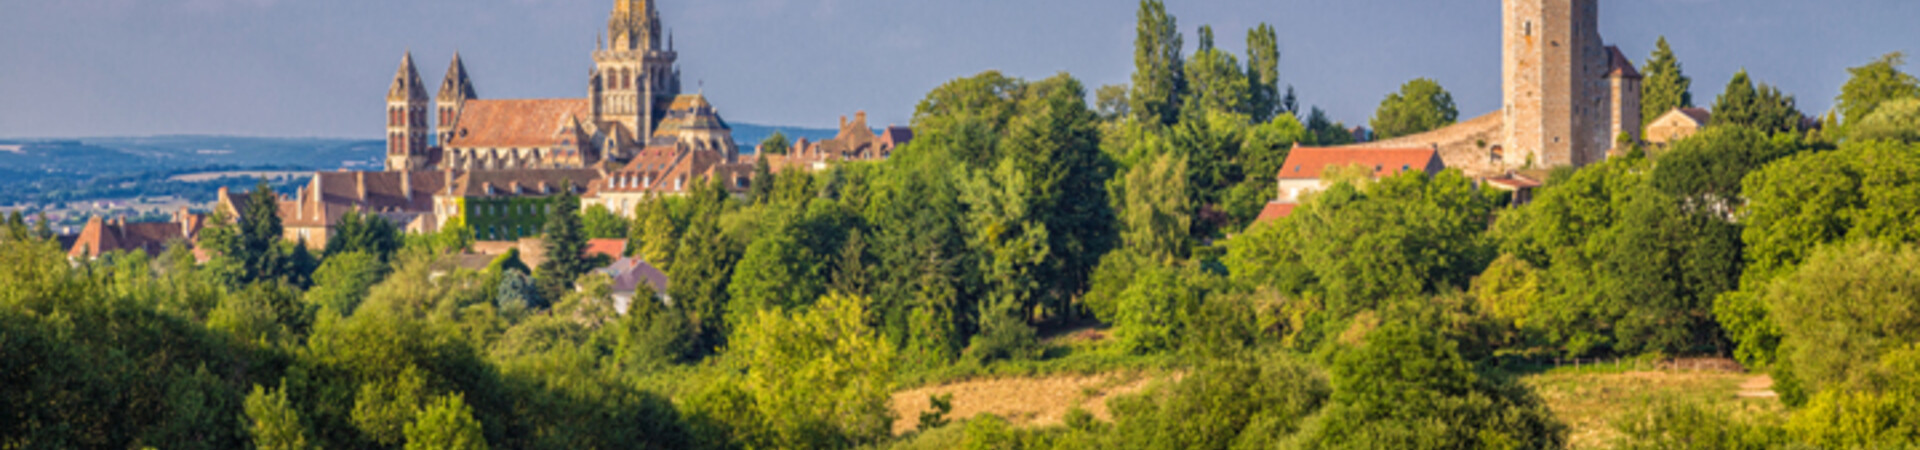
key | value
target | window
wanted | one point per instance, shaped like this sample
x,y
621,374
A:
x,y
1529,28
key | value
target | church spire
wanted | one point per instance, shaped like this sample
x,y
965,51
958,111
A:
x,y
406,82
633,25
457,85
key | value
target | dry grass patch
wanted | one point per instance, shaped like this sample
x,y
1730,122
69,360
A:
x,y
1589,403
1022,401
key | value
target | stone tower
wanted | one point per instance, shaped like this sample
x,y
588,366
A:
x,y
407,119
1559,106
455,90
634,77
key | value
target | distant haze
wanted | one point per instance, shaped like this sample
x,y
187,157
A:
x,y
321,68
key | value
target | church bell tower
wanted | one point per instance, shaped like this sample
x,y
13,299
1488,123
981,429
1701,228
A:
x,y
634,77
407,119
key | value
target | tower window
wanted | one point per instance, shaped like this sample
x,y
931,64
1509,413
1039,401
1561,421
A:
x,y
1529,28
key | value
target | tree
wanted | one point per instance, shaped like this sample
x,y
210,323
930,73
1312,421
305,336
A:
x,y
1894,120
1158,211
1834,343
1150,311
1264,100
1408,387
1111,102
1666,86
447,423
1326,131
966,117
601,223
1159,84
1401,236
1704,171
704,265
276,424
343,280
778,272
1009,234
775,144
1227,403
1763,108
364,233
655,237
821,378
763,181
565,243
1055,142
1874,84
1215,85
1420,106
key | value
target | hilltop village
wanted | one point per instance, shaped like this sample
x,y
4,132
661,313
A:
x,y
1568,99
1189,260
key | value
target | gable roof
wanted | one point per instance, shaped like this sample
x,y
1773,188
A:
x,y
613,248
532,182
1276,211
1309,163
1700,117
1619,66
516,123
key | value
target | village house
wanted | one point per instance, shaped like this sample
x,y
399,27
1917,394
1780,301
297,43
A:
x,y
1308,170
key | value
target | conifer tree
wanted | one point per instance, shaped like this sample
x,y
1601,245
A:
x,y
566,240
762,191
1873,84
1736,104
1158,78
1666,87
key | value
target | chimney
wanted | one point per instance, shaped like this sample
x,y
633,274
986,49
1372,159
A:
x,y
860,116
843,121
360,186
406,186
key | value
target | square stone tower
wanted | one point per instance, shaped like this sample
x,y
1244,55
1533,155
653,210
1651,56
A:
x,y
1559,103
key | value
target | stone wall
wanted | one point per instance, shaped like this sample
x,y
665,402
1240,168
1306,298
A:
x,y
1468,146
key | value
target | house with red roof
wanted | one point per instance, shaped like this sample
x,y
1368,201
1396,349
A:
x,y
1306,170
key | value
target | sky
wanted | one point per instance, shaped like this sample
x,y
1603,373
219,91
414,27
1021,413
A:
x,y
320,68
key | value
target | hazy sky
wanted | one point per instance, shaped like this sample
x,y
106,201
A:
x,y
321,67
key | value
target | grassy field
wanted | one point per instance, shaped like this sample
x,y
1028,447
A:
x,y
1592,398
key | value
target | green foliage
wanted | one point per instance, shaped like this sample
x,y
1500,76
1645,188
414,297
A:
x,y
937,416
600,223
1231,403
1863,192
1009,234
1894,120
565,243
1833,342
778,272
1402,236
703,265
1407,387
1159,83
1216,84
263,313
655,234
1704,171
1420,106
1150,312
1876,411
1627,267
1264,101
1671,425
966,117
364,233
275,424
447,423
1211,144
1158,213
1055,143
817,379
343,280
763,181
1665,87
1874,84
1327,132
1763,108
776,144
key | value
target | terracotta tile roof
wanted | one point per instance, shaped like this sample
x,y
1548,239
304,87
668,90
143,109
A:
x,y
1513,182
613,248
1618,65
690,113
1276,211
534,182
329,195
516,123
1308,163
106,236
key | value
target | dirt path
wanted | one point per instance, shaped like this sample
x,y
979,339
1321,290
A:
x,y
1758,387
1022,401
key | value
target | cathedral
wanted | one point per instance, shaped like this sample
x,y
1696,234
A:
x,y
633,88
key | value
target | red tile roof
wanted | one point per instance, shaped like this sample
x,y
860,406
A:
x,y
1308,163
1276,211
613,248
516,123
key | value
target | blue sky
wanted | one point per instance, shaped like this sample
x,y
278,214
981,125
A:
x,y
321,67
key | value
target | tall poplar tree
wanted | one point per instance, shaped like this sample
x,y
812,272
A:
x,y
1158,78
1666,87
1263,74
566,240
